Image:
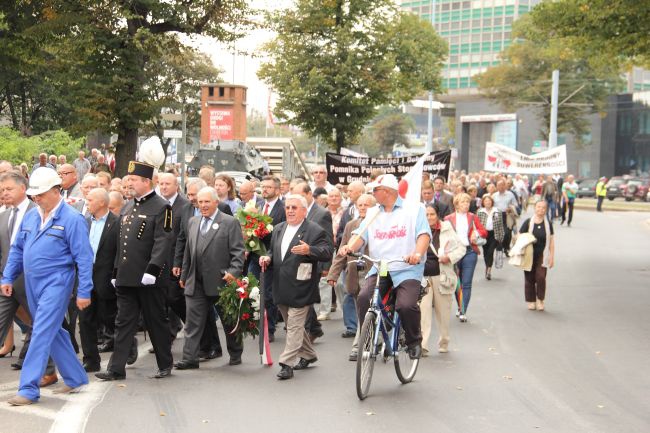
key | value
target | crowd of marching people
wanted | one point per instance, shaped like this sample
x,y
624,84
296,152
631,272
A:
x,y
107,257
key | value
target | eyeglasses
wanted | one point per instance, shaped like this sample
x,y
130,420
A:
x,y
291,207
65,173
318,172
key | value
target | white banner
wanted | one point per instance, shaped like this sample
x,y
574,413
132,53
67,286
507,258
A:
x,y
506,160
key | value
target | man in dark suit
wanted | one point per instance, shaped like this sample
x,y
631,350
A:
x,y
168,187
214,257
444,199
145,236
273,206
103,234
322,218
297,246
210,343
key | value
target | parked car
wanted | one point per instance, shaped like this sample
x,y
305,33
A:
x,y
614,187
636,189
587,188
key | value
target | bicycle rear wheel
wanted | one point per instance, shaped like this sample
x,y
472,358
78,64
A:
x,y
366,356
405,367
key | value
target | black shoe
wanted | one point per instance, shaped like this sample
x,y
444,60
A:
x,y
133,354
106,347
235,360
271,338
91,367
353,357
212,354
110,375
285,373
415,352
17,365
186,365
304,363
162,373
348,334
152,350
488,276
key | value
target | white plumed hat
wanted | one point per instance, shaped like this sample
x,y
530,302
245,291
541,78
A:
x,y
151,152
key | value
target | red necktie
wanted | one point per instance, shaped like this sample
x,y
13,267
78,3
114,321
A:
x,y
266,209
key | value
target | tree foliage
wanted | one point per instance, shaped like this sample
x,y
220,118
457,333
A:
x,y
32,97
333,62
114,52
390,128
16,148
524,79
603,31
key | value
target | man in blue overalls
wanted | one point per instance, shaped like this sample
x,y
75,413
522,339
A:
x,y
52,239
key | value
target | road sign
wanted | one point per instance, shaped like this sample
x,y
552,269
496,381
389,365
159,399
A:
x,y
173,133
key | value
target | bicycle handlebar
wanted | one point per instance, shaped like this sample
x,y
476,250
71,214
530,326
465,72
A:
x,y
376,261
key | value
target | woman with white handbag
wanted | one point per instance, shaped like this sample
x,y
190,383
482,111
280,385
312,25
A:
x,y
472,235
445,250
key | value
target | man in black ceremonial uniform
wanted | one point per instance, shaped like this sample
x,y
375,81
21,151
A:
x,y
143,250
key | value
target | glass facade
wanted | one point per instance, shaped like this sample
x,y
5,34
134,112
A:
x,y
476,31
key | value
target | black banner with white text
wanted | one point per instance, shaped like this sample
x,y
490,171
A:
x,y
344,169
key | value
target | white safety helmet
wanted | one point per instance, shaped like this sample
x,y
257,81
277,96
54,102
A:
x,y
42,180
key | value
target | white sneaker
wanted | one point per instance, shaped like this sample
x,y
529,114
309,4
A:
x,y
463,318
457,313
323,317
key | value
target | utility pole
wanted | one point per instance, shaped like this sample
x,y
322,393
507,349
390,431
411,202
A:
x,y
552,134
429,146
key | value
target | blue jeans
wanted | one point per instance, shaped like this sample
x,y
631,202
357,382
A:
x,y
466,267
550,209
349,313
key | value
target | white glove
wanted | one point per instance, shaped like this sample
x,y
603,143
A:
x,y
148,279
113,282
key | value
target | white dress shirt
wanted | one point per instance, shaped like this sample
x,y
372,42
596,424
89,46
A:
x,y
22,210
289,233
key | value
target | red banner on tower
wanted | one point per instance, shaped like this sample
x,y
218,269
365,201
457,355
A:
x,y
221,123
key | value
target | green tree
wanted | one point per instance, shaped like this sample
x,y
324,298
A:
x,y
333,62
603,31
111,51
391,130
17,148
524,79
32,98
175,84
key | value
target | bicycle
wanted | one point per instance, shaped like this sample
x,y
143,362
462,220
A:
x,y
382,320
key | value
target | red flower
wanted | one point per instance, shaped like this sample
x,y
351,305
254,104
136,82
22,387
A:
x,y
248,217
245,316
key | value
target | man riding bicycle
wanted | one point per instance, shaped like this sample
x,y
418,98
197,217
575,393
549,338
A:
x,y
396,231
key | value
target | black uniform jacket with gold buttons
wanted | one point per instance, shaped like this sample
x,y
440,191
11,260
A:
x,y
145,240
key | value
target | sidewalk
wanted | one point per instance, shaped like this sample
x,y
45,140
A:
x,y
618,204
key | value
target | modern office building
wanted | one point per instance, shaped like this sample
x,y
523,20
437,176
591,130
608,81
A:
x,y
477,31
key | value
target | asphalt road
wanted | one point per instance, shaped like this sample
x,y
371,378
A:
x,y
580,366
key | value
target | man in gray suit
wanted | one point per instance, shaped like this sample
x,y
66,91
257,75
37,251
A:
x,y
213,257
70,188
14,187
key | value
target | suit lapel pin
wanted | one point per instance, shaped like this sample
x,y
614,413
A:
x,y
215,226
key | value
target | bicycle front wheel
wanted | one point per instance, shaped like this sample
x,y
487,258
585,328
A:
x,y
405,367
366,355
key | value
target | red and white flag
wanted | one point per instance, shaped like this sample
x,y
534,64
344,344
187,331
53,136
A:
x,y
410,186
